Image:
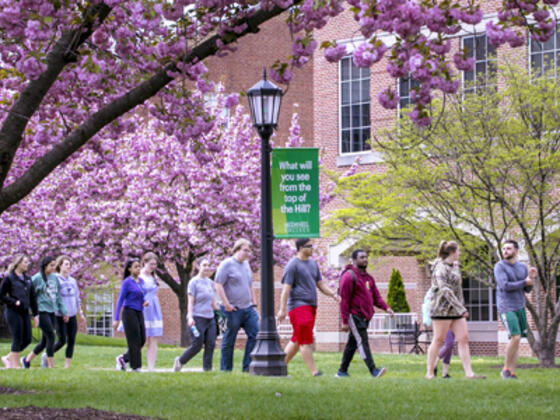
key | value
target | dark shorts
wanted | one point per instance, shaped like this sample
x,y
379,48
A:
x,y
302,319
515,322
438,318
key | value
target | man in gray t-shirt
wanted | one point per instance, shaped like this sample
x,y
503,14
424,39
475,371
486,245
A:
x,y
302,276
300,279
233,285
513,280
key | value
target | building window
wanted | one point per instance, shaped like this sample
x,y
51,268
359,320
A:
x,y
483,74
354,107
480,300
211,101
99,312
406,85
544,56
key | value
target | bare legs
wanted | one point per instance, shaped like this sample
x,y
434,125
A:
x,y
151,351
459,328
512,353
306,351
440,327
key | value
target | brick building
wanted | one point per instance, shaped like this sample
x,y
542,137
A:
x,y
338,111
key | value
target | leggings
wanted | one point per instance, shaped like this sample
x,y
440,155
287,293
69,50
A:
x,y
66,331
135,332
20,328
447,349
46,323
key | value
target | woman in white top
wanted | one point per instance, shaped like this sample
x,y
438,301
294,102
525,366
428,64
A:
x,y
153,318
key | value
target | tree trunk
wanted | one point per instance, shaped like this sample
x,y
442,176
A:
x,y
180,290
184,278
546,356
185,336
545,348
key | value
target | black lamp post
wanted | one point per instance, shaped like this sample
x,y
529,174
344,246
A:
x,y
268,356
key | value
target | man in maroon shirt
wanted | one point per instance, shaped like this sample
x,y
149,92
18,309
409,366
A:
x,y
359,295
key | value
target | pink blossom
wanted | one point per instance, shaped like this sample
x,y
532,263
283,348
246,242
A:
x,y
462,62
472,17
541,15
334,54
367,54
388,98
281,75
420,117
232,100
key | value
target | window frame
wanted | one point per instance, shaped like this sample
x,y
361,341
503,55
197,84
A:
x,y
471,285
351,129
475,86
411,82
99,307
555,50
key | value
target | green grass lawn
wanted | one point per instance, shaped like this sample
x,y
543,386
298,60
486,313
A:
x,y
401,394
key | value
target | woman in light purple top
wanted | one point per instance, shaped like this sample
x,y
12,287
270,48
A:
x,y
200,317
66,331
153,318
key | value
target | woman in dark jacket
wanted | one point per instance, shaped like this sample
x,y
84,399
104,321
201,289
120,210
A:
x,y
17,292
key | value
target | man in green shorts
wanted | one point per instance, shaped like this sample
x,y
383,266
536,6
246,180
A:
x,y
513,280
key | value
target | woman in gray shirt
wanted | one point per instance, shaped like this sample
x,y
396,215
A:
x,y
200,317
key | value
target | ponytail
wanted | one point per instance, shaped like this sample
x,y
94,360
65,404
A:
x,y
44,262
446,248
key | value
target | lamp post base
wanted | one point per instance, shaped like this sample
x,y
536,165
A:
x,y
268,356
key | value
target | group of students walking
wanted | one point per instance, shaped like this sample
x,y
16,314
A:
x,y
52,297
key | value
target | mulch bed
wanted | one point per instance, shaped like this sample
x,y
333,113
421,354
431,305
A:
x,y
50,413
4,390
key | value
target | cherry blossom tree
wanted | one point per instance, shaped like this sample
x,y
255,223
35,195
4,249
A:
x,y
71,72
151,193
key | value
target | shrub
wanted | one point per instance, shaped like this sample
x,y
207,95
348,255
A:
x,y
396,297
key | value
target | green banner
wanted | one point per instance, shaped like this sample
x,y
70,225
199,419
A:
x,y
295,192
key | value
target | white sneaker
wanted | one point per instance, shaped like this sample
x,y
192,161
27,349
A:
x,y
44,363
120,364
177,365
6,361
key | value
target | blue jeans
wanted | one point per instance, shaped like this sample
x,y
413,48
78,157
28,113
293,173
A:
x,y
248,319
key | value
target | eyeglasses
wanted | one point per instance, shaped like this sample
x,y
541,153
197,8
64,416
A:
x,y
308,246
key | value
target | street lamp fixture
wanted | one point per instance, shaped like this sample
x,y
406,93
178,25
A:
x,y
267,359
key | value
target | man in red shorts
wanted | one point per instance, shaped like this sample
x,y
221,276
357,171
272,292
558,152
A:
x,y
301,279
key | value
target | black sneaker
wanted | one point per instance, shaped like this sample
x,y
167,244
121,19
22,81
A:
x,y
340,374
506,374
319,373
25,363
446,376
